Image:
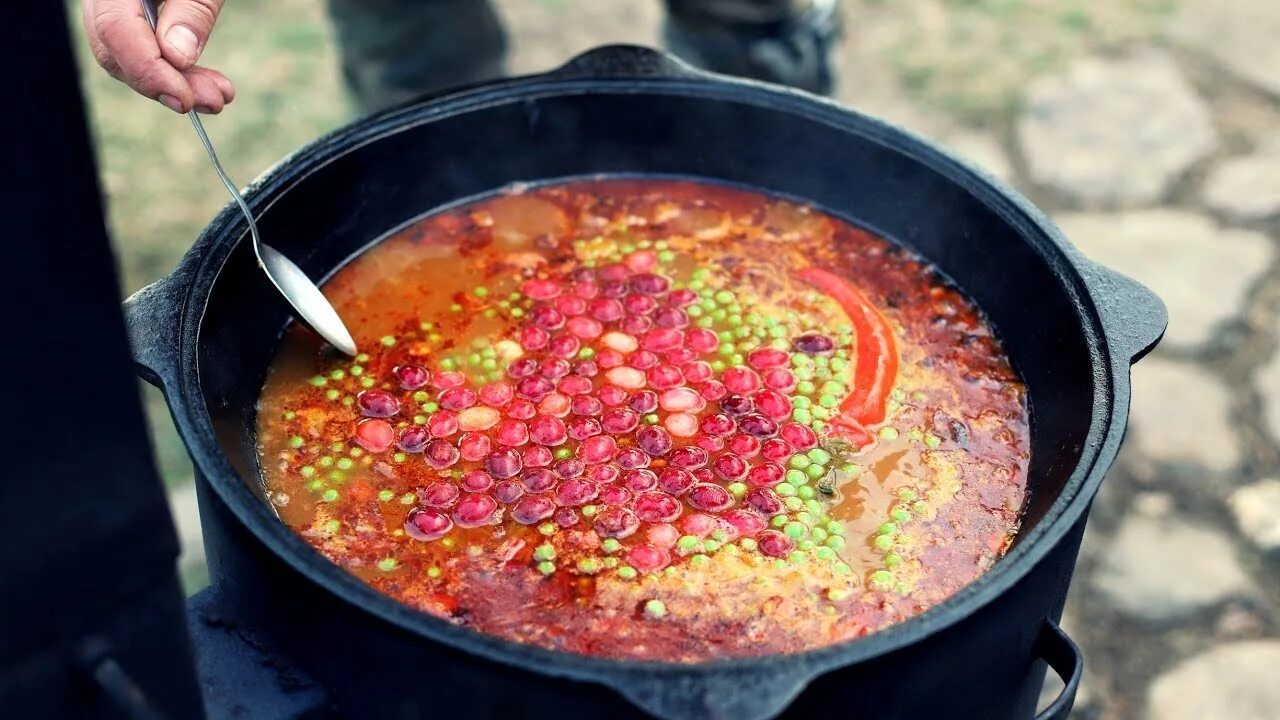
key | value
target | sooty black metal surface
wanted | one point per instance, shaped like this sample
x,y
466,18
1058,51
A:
x,y
208,332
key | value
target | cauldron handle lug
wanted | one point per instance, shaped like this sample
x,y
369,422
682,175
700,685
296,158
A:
x,y
1060,653
625,62
153,316
730,694
1133,317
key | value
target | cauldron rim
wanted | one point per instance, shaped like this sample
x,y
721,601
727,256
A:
x,y
1113,347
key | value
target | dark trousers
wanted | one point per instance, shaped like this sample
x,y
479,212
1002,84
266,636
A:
x,y
394,50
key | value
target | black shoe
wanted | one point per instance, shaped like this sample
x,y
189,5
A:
x,y
797,51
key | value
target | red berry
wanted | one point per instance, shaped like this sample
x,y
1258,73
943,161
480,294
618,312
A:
x,y
711,498
439,454
457,399
720,425
476,480
662,339
731,468
780,379
642,360
744,446
584,327
440,494
565,517
741,380
800,437
565,346
538,480
496,394
639,304
698,525
775,544
696,372
554,368
512,433
609,358
650,284
605,309
757,425
573,493
688,457
536,456
639,480
611,395
662,377
682,297
615,495
616,522
775,449
599,449
411,377
508,491
711,443
645,401
377,404
546,317
711,390
657,507
533,338
533,509
535,388
681,356
702,340
766,474
745,522
547,430
448,379
540,289
675,481
602,474
764,358
585,405
647,558
413,439
671,318
522,368
568,468
619,421
632,458
581,428
765,501
375,435
520,409
504,463
654,440
442,424
571,305
424,524
473,446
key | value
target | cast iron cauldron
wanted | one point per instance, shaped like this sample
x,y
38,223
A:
x,y
206,335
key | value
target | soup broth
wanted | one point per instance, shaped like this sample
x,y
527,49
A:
x,y
650,419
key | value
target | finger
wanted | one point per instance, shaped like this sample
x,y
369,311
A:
x,y
184,27
224,85
131,47
208,96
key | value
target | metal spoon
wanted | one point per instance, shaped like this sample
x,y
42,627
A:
x,y
298,290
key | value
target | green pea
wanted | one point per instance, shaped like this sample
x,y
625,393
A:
x,y
887,529
332,394
889,433
330,495
326,461
357,370
655,609
367,382
388,564
883,542
804,492
825,553
900,515
793,503
589,510
778,521
563,453
799,462
386,495
907,495
724,296
828,401
815,471
433,572
748,544
802,416
892,560
920,507
626,572
296,441
419,419
546,567
836,542
785,489
651,418
737,489
805,387
319,381
881,579
801,401
610,545
699,560
338,374
315,485
795,530
544,552
589,565
307,471
547,528
408,498
344,463
710,545
687,543
430,407
796,556
388,340
835,527
932,441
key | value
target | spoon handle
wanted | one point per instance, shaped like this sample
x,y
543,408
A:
x,y
149,10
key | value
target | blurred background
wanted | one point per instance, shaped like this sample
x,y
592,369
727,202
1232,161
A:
x,y
1149,129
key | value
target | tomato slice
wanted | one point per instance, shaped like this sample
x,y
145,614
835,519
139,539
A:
x,y
876,354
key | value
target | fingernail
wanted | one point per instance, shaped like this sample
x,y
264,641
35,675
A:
x,y
206,110
183,41
171,102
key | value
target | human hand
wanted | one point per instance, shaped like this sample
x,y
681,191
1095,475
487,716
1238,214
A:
x,y
159,64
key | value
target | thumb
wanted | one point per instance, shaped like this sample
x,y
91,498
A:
x,y
183,29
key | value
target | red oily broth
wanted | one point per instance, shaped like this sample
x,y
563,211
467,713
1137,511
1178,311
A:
x,y
650,419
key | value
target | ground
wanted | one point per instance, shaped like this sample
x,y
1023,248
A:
x,y
1149,129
